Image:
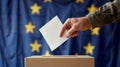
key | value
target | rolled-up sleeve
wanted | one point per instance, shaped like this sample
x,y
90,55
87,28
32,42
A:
x,y
108,13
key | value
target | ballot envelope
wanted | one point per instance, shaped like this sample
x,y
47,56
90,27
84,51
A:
x,y
59,61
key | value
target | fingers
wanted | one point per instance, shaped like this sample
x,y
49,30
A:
x,y
65,27
75,34
62,31
71,31
71,27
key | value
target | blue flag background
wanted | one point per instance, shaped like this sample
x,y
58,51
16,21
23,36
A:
x,y
20,21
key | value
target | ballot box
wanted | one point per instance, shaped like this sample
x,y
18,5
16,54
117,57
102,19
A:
x,y
59,61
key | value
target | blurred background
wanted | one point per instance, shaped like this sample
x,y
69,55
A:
x,y
20,21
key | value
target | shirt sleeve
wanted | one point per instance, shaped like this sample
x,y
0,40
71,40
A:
x,y
108,13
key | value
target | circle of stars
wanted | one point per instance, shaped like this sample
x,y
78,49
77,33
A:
x,y
35,9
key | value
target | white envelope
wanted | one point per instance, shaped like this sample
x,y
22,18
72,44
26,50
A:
x,y
51,32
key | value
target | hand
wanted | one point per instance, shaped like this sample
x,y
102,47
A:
x,y
73,25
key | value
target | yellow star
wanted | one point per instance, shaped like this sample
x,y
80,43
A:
x,y
89,49
47,53
95,31
92,9
79,1
35,46
35,9
47,1
29,28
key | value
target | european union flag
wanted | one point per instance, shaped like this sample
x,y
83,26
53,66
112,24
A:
x,y
20,21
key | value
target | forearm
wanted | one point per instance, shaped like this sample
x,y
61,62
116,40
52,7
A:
x,y
106,14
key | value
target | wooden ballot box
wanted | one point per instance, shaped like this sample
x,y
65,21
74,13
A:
x,y
59,61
